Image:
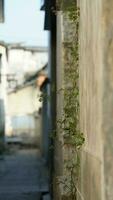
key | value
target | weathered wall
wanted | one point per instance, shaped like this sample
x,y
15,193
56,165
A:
x,y
3,98
23,107
96,99
91,98
25,62
3,70
107,125
17,100
58,159
65,35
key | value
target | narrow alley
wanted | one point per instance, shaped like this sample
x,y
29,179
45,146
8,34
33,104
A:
x,y
24,171
56,99
23,175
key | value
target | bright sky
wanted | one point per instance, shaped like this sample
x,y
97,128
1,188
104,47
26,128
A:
x,y
24,22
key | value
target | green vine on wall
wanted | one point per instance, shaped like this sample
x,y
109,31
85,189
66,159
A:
x,y
71,92
69,123
73,138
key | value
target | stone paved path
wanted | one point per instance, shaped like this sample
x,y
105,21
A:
x,y
23,176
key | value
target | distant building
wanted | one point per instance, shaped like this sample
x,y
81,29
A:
x,y
24,112
24,64
3,98
24,61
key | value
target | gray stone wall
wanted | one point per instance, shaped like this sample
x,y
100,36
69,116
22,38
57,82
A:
x,y
65,34
58,159
96,99
107,124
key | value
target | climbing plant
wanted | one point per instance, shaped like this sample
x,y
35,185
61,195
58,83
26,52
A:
x,y
69,124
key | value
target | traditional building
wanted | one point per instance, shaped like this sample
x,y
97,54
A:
x,y
2,81
25,117
3,96
96,94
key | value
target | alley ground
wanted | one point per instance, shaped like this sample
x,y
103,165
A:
x,y
23,175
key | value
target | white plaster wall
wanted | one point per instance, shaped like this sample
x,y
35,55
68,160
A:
x,y
24,101
24,61
4,68
3,86
22,121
